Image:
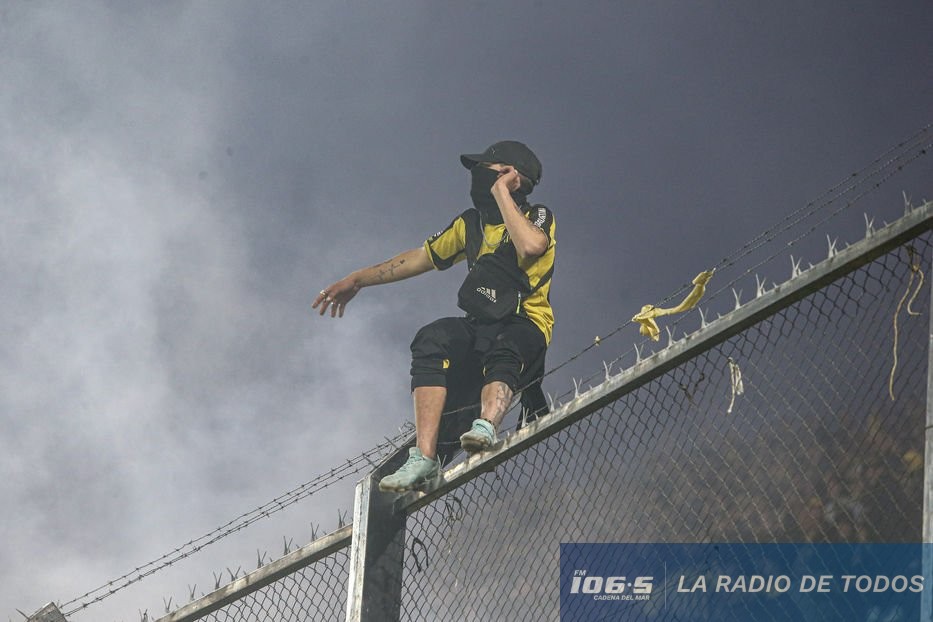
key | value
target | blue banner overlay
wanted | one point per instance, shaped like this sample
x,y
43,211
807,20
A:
x,y
743,582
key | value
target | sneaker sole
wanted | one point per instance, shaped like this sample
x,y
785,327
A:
x,y
416,486
474,445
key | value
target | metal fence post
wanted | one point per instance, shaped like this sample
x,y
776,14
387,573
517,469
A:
x,y
378,549
49,613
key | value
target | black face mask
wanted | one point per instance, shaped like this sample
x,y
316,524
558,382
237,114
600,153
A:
x,y
481,192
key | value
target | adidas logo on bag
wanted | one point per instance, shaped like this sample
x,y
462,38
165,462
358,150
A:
x,y
488,293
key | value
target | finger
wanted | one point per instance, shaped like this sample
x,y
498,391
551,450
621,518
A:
x,y
340,310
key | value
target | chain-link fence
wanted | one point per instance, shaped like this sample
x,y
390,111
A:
x,y
316,592
311,586
784,432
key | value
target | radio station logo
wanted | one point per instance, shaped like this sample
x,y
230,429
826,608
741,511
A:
x,y
613,587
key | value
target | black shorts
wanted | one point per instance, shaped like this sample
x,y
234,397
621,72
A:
x,y
458,348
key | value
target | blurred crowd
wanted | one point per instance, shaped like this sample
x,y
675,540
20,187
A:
x,y
857,483
870,492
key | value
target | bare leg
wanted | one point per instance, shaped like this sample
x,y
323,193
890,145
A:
x,y
429,404
496,397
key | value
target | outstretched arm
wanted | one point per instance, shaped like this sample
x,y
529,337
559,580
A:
x,y
404,265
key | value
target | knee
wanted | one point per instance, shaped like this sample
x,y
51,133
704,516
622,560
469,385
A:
x,y
430,355
432,341
504,364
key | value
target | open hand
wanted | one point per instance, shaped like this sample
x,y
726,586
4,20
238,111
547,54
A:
x,y
336,296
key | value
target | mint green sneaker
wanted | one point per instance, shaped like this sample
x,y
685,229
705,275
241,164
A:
x,y
416,472
481,436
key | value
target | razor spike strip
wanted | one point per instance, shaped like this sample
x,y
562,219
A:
x,y
759,287
608,368
217,579
192,589
550,399
576,388
795,267
703,322
168,604
637,354
391,442
908,206
260,559
869,226
234,575
314,529
670,336
738,298
341,518
831,252
287,542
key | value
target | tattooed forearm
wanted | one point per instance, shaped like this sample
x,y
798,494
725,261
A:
x,y
404,265
386,271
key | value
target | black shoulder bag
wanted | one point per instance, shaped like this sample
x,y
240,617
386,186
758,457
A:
x,y
495,287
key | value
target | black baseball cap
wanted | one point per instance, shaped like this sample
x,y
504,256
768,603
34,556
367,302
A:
x,y
509,152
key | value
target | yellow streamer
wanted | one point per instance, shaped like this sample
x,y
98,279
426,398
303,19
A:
x,y
738,387
646,317
914,262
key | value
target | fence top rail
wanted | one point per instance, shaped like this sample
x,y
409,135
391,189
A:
x,y
261,577
916,221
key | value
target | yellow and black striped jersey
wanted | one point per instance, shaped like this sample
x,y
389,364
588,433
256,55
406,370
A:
x,y
448,247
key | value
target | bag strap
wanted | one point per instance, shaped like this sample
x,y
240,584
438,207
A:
x,y
474,235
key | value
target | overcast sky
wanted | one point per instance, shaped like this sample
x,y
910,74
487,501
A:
x,y
179,179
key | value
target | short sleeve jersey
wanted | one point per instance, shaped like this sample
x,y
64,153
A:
x,y
448,247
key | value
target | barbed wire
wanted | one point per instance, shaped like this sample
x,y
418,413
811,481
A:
x,y
911,155
336,474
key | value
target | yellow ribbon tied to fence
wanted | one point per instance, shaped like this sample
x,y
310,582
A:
x,y
646,317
